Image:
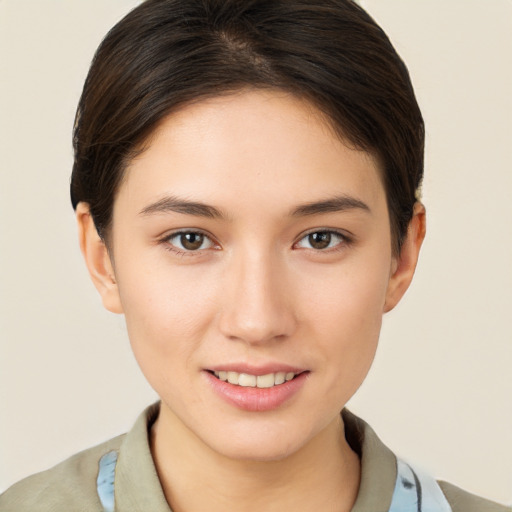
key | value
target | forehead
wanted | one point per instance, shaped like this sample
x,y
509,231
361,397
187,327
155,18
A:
x,y
254,147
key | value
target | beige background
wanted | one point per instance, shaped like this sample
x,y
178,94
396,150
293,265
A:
x,y
440,390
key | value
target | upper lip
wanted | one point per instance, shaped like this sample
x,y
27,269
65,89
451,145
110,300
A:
x,y
257,370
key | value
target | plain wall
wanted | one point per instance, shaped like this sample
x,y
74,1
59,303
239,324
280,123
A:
x,y
439,393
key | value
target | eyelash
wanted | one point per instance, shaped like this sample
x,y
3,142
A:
x,y
166,241
344,240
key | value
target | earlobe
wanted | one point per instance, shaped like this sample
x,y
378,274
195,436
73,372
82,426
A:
x,y
97,259
404,264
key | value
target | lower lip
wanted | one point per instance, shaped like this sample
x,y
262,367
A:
x,y
257,399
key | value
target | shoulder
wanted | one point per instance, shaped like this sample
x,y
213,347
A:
x,y
388,483
71,485
463,501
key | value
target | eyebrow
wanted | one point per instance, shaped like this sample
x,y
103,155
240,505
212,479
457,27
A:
x,y
331,205
178,205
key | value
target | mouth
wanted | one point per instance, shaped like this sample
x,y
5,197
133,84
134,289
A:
x,y
247,380
257,388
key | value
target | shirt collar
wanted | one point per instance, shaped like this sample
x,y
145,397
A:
x,y
137,486
378,465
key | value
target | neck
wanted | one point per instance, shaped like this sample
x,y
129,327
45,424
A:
x,y
322,475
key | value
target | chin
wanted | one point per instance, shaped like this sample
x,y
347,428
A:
x,y
257,445
262,452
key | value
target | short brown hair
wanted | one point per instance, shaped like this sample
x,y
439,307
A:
x,y
167,53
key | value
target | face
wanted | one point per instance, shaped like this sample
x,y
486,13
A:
x,y
250,244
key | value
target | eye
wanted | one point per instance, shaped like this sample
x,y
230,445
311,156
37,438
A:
x,y
321,240
189,241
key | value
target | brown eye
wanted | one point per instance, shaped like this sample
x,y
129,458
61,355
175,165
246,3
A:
x,y
320,240
191,241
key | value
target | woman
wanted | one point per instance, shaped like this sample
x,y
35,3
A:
x,y
246,186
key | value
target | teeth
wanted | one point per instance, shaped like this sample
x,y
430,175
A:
x,y
251,381
247,381
280,378
233,377
266,381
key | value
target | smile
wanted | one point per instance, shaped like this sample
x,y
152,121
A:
x,y
247,380
256,393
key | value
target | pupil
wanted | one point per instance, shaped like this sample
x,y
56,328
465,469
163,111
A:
x,y
192,241
320,240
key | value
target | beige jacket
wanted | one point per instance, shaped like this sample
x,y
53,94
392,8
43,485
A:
x,y
71,485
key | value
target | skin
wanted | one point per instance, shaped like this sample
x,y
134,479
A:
x,y
255,292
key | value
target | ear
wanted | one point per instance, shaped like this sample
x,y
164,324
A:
x,y
97,260
404,264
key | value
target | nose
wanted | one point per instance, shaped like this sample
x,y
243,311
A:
x,y
257,307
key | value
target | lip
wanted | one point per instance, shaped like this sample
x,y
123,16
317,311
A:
x,y
256,399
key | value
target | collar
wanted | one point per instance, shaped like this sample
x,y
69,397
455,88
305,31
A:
x,y
378,465
137,486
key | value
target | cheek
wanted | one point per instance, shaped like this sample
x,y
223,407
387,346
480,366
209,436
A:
x,y
167,312
345,308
